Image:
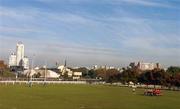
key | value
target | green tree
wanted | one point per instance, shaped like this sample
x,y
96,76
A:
x,y
130,74
156,77
173,70
112,75
92,73
101,73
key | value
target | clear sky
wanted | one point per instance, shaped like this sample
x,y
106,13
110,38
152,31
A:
x,y
88,32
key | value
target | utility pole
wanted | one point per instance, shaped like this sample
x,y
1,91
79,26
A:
x,y
45,73
65,66
31,70
32,67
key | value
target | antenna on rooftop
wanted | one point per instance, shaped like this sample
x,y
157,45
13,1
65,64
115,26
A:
x,y
65,63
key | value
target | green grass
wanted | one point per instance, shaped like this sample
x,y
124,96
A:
x,y
83,97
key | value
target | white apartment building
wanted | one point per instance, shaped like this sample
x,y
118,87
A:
x,y
26,63
147,66
19,58
19,53
12,60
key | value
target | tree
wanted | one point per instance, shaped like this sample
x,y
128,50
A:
x,y
160,77
177,79
130,74
112,75
174,73
156,77
101,73
92,73
173,70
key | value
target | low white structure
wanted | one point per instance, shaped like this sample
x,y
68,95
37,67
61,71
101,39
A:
x,y
43,73
29,72
77,75
36,68
70,73
64,70
61,68
26,63
52,74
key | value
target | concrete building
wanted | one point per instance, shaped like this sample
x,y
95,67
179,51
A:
x,y
19,58
63,69
12,60
147,66
26,63
75,75
19,54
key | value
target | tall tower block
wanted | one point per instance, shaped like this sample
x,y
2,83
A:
x,y
19,53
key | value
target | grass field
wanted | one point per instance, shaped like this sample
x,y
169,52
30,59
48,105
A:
x,y
83,97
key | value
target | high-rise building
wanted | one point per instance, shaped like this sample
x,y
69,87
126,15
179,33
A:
x,y
19,53
19,58
12,60
26,63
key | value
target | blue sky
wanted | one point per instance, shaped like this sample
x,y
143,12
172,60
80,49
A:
x,y
88,32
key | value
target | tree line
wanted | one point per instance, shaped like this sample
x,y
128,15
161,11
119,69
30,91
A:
x,y
169,77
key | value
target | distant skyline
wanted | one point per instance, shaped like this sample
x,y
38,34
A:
x,y
89,32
